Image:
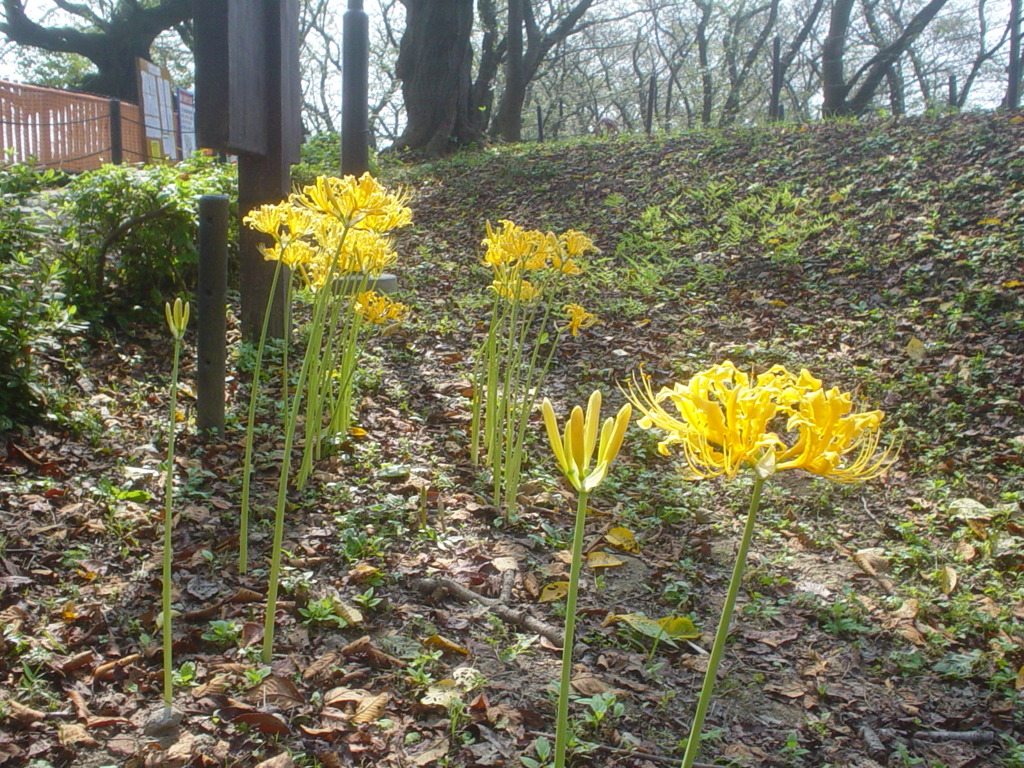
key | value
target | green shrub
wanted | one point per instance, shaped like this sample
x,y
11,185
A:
x,y
320,155
33,318
130,231
20,229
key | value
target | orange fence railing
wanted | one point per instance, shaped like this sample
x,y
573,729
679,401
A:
x,y
66,130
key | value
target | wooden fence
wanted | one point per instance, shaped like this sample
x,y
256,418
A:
x,y
66,130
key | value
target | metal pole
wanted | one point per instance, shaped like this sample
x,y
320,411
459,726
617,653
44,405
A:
x,y
355,63
540,125
116,139
211,301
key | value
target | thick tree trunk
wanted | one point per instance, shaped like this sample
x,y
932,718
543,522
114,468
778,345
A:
x,y
434,65
833,83
508,122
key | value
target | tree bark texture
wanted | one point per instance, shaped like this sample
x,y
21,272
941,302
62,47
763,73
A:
x,y
435,66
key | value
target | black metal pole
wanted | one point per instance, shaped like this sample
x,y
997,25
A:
x,y
116,139
211,300
540,125
355,62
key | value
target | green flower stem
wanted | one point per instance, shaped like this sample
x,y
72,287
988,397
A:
x,y
562,721
291,417
515,461
168,515
484,369
282,494
518,402
693,743
243,529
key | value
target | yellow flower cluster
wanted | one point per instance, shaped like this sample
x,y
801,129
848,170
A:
x,y
513,251
333,227
379,309
725,421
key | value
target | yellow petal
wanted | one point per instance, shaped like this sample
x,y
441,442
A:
x,y
575,445
593,421
551,424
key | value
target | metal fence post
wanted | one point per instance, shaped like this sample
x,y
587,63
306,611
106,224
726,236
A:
x,y
355,125
211,301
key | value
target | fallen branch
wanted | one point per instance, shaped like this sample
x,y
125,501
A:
x,y
440,587
969,737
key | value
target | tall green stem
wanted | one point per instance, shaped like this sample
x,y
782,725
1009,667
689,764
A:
x,y
291,417
243,529
168,515
562,721
693,743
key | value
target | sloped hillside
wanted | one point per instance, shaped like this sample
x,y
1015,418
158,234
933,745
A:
x,y
879,624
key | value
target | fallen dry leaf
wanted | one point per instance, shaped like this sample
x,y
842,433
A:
x,y
556,590
283,760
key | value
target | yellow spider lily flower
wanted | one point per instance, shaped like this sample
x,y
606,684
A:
x,y
576,243
268,219
515,290
378,309
362,202
177,317
726,422
575,448
578,318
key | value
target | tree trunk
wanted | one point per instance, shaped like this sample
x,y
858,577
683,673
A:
x,y
706,82
738,75
1013,70
837,89
833,82
434,65
522,68
508,122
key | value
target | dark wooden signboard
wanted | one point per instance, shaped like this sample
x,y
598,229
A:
x,y
248,99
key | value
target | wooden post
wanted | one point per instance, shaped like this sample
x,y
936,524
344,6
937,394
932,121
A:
x,y
248,102
540,125
776,94
116,139
355,126
211,300
952,98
